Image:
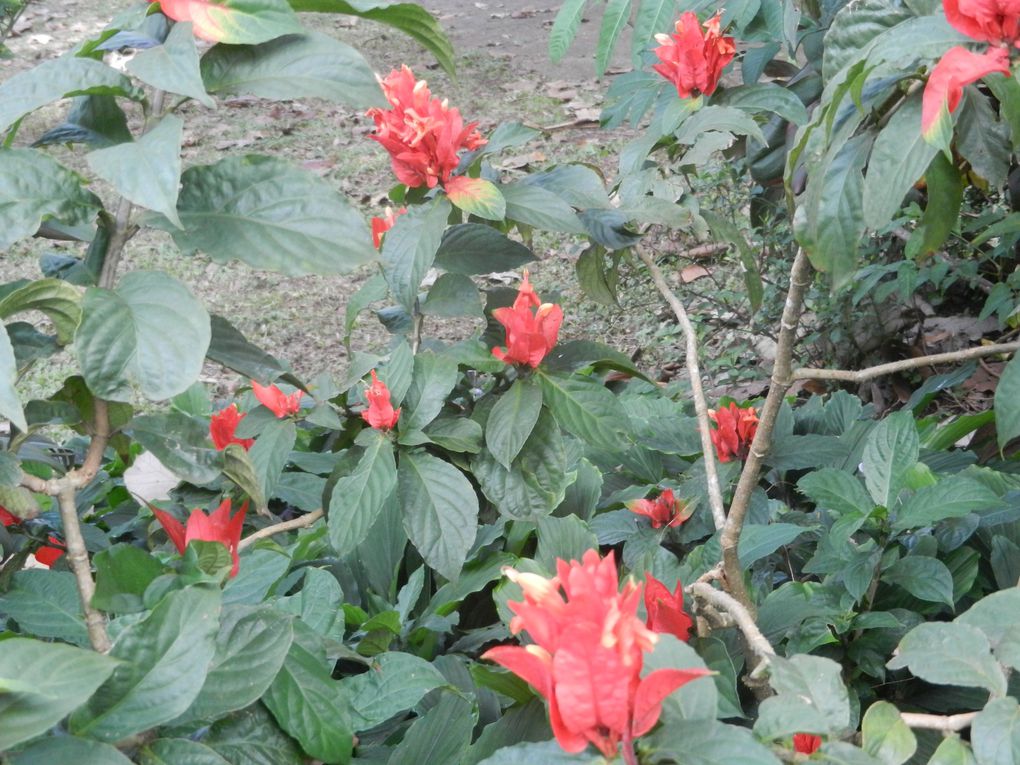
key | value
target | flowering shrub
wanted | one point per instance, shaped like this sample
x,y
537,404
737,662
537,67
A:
x,y
692,59
219,526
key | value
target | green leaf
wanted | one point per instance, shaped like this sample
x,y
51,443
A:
x,y
592,277
541,208
565,26
456,434
811,698
696,700
836,490
35,188
146,171
55,79
251,646
952,751
270,452
885,736
260,570
40,683
442,734
949,498
60,301
945,194
889,454
566,538
179,751
94,120
409,249
476,196
172,66
180,442
231,349
166,657
765,96
512,419
440,510
474,248
760,540
272,216
46,604
62,749
394,683
309,65
723,118
614,19
949,654
239,468
653,17
358,498
10,402
995,733
149,332
925,578
586,408
546,753
1007,403
707,742
854,28
452,295
252,737
308,703
123,571
435,376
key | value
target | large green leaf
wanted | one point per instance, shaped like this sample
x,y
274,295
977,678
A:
x,y
952,751
40,683
440,510
890,452
247,22
539,207
949,498
474,248
180,442
925,578
46,604
441,735
410,248
950,654
149,332
708,742
179,751
271,451
1007,403
165,660
252,737
512,419
51,80
435,376
10,402
172,66
546,752
810,697
123,572
272,216
586,408
765,96
358,498
394,683
94,120
309,65
146,171
854,27
35,188
80,751
836,490
885,735
995,733
60,301
232,349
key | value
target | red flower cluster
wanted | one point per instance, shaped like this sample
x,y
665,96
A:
x,y
276,401
805,743
663,511
588,653
381,225
529,337
46,555
218,527
380,413
691,59
223,425
665,609
422,134
734,431
992,21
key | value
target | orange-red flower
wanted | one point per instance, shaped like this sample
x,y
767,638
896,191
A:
x,y
381,225
693,59
380,413
47,555
422,134
529,336
222,426
217,527
805,743
662,511
734,430
994,21
665,609
276,401
956,69
588,653
207,17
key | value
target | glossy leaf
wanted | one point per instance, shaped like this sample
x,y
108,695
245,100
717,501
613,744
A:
x,y
477,197
46,604
252,737
995,733
950,654
442,734
394,683
512,419
885,736
586,408
410,248
891,451
924,578
452,295
1007,403
434,378
123,572
57,299
80,751
949,498
541,208
179,751
952,751
473,248
358,498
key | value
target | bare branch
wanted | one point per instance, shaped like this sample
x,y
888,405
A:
x,y
862,375
297,523
944,723
715,499
78,559
742,618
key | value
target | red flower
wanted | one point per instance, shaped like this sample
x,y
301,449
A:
x,y
734,430
529,337
588,654
662,511
805,743
8,518
218,527
46,555
380,413
994,21
276,401
381,225
222,426
422,134
957,68
691,59
665,609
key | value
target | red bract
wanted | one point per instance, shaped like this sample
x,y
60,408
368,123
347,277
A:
x,y
381,225
46,555
663,511
588,653
665,609
994,21
734,430
805,743
956,69
529,337
691,59
222,426
422,134
380,413
276,401
218,527
206,17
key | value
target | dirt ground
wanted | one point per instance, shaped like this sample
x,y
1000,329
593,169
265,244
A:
x,y
503,73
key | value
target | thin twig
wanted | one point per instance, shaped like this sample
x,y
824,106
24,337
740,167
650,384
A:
x,y
715,499
297,523
782,378
741,617
944,723
862,375
78,559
